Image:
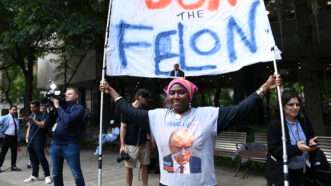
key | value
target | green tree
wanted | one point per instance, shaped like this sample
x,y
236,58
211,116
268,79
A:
x,y
31,29
12,85
22,38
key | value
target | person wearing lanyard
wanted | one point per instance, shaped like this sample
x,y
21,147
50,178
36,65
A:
x,y
11,131
300,142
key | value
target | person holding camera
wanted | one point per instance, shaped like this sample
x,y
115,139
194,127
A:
x,y
135,145
36,138
66,133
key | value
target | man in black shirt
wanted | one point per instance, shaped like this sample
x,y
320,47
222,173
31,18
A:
x,y
36,138
136,141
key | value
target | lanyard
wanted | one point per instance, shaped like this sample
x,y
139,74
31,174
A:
x,y
297,136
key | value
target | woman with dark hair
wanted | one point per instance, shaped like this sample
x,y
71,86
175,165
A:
x,y
300,142
188,162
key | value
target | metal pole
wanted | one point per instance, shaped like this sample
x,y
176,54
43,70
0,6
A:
x,y
102,97
279,94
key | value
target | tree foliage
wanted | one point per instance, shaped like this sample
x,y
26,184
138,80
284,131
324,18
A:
x,y
31,29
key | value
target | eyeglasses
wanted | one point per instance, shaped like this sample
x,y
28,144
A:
x,y
292,104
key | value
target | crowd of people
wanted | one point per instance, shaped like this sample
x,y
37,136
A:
x,y
65,122
183,135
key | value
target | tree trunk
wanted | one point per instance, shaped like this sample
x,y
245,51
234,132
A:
x,y
8,87
28,76
311,66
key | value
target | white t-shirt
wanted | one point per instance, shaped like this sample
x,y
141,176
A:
x,y
202,123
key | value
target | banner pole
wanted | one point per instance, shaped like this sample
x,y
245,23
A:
x,y
279,95
102,96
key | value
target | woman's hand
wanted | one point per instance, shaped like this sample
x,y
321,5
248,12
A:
x,y
313,141
313,144
305,148
302,146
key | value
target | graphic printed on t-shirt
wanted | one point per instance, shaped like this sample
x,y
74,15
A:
x,y
181,159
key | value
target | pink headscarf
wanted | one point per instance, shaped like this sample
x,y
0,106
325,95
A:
x,y
189,86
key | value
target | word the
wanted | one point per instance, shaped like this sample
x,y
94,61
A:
x,y
190,14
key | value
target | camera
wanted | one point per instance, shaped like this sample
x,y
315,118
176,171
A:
x,y
53,93
123,156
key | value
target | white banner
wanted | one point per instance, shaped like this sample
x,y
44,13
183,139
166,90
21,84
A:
x,y
204,37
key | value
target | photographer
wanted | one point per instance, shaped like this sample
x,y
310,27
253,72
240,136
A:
x,y
66,133
36,138
135,143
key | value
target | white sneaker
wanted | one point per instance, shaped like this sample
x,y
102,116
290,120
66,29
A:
x,y
48,180
30,179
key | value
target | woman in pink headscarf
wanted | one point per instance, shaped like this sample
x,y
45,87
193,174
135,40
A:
x,y
202,123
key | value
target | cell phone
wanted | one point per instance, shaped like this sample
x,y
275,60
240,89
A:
x,y
315,145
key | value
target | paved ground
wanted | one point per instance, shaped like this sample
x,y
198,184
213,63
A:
x,y
113,173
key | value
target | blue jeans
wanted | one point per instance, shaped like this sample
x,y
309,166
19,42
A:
x,y
69,152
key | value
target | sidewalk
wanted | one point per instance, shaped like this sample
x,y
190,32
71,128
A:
x,y
113,173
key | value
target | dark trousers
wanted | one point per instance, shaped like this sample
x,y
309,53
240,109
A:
x,y
37,155
296,178
69,152
9,142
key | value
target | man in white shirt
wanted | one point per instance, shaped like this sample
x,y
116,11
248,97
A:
x,y
10,126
